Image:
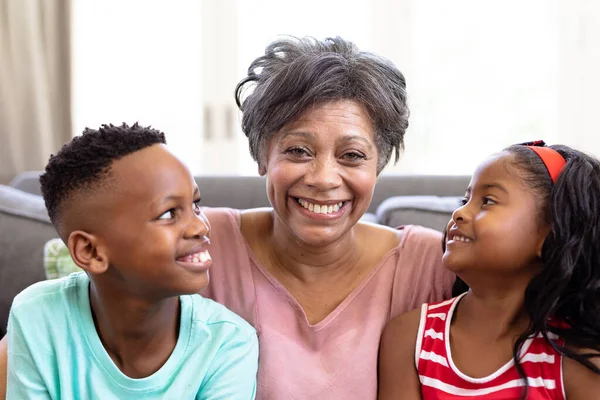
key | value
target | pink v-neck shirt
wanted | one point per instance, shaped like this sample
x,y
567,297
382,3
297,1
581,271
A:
x,y
335,359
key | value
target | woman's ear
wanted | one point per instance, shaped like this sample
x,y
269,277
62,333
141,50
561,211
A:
x,y
86,252
262,169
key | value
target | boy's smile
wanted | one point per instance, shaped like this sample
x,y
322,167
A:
x,y
154,233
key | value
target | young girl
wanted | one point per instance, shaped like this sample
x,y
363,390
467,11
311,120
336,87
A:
x,y
527,242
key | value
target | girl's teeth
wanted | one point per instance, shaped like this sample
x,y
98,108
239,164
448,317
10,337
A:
x,y
461,239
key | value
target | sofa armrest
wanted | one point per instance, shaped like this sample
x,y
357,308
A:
x,y
24,229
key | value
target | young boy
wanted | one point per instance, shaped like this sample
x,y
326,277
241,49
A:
x,y
131,326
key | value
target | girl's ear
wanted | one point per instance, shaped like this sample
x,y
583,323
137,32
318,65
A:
x,y
87,253
544,232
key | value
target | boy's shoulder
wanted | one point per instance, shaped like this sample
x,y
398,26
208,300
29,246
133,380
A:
x,y
48,291
217,316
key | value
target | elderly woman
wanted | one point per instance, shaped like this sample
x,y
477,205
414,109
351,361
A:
x,y
322,119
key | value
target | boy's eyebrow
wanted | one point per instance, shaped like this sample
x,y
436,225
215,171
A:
x,y
177,197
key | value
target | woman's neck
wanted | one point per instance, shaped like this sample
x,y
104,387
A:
x,y
128,328
309,263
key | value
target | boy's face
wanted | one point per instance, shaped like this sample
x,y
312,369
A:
x,y
155,236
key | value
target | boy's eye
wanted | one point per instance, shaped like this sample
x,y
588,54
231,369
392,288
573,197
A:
x,y
169,214
197,209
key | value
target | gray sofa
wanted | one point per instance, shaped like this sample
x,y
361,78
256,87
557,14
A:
x,y
25,227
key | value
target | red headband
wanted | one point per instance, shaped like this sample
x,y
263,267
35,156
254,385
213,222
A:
x,y
553,161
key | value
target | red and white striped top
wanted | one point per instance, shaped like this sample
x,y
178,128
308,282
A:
x,y
441,379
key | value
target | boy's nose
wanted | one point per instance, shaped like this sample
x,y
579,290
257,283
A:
x,y
198,227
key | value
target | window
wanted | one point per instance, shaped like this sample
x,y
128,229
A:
x,y
481,75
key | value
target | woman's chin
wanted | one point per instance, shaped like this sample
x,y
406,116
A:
x,y
317,236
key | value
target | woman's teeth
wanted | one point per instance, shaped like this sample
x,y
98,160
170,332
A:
x,y
320,208
203,256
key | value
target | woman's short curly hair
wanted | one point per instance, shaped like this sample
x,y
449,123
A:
x,y
295,74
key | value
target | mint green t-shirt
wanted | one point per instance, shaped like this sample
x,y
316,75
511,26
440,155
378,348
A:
x,y
54,351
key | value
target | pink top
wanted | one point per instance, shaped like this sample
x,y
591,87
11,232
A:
x,y
337,357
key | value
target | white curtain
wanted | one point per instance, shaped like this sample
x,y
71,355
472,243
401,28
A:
x,y
35,83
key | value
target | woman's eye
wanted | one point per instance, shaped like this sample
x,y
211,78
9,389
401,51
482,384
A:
x,y
197,209
169,214
353,156
297,151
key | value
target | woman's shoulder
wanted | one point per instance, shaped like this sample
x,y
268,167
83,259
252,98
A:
x,y
406,237
222,215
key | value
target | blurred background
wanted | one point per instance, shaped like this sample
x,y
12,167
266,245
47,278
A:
x,y
480,74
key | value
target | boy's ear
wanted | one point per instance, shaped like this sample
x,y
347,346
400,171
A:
x,y
86,252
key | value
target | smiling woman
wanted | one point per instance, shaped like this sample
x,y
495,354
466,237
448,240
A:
x,y
322,118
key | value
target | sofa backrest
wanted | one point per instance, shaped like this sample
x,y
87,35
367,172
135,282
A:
x,y
250,191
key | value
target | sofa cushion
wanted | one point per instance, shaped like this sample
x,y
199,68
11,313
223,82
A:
x,y
24,229
429,211
57,260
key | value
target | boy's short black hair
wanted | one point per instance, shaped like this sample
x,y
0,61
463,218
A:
x,y
84,163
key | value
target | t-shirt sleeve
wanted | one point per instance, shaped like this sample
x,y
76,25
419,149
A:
x,y
24,380
421,277
233,373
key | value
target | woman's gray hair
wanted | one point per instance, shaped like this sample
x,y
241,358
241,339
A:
x,y
296,74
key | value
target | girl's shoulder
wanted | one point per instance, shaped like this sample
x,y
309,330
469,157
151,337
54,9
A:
x,y
579,381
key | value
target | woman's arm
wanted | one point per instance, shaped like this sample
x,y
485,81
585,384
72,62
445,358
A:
x,y
3,362
398,377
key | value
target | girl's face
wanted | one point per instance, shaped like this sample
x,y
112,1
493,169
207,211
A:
x,y
497,228
321,171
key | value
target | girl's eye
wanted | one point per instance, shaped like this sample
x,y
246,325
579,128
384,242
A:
x,y
488,202
169,214
197,209
353,156
463,201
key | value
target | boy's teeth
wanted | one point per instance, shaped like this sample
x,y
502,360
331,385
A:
x,y
320,209
203,256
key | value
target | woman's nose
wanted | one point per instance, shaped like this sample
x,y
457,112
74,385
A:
x,y
324,174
